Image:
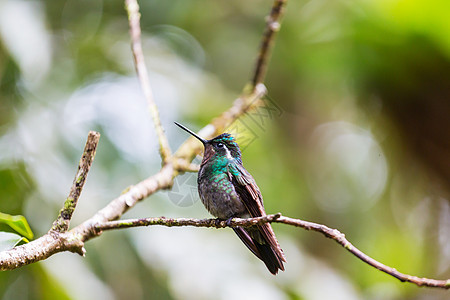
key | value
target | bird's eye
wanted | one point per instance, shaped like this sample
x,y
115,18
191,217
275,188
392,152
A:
x,y
219,145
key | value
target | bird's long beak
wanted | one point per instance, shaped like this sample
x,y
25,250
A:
x,y
191,132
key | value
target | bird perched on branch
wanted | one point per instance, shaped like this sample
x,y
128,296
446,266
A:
x,y
228,191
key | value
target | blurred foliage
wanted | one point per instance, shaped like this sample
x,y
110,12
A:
x,y
356,137
9,240
16,185
30,283
17,223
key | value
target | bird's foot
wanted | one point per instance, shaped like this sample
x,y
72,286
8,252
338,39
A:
x,y
219,223
228,222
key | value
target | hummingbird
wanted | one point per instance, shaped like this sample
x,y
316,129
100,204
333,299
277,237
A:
x,y
227,190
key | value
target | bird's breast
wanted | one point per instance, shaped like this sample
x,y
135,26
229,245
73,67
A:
x,y
219,196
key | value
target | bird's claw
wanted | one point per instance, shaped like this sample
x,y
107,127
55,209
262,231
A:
x,y
218,223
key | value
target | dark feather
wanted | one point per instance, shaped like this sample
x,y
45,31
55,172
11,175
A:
x,y
247,240
259,239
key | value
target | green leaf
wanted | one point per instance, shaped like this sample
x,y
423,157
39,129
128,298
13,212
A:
x,y
9,240
18,223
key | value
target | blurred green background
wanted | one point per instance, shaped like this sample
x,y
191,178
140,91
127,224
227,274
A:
x,y
356,135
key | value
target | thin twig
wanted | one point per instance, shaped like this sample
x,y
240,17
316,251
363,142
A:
x,y
132,8
272,27
62,222
333,234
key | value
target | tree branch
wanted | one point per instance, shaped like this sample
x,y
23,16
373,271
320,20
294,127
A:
x,y
272,27
40,249
134,16
333,234
62,222
57,239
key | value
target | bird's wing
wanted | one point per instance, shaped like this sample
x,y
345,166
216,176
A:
x,y
248,190
250,194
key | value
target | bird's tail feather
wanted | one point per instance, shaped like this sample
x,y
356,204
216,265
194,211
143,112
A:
x,y
254,241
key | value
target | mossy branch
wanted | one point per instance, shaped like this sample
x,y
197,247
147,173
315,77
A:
x,y
62,222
